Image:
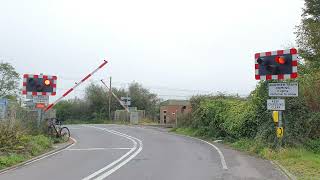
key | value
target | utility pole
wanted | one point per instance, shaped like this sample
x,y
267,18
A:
x,y
110,96
176,118
115,96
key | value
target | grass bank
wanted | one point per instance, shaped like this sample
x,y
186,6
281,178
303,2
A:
x,y
147,122
302,162
28,147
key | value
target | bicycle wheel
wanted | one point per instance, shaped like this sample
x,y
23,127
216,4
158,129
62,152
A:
x,y
65,134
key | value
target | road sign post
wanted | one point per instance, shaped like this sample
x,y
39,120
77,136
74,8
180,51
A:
x,y
40,117
280,131
38,88
278,65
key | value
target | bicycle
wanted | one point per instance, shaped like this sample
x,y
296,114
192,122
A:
x,y
56,129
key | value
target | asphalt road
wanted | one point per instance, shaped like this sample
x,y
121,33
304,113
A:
x,y
141,153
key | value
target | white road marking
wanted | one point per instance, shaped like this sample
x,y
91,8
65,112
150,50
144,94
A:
x,y
96,149
222,159
106,174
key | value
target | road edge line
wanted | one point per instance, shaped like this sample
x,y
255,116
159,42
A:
x,y
283,170
222,159
40,157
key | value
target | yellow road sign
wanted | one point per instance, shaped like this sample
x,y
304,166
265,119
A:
x,y
275,116
279,132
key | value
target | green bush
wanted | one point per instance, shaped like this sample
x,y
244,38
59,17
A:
x,y
224,116
11,133
313,145
35,145
233,117
184,120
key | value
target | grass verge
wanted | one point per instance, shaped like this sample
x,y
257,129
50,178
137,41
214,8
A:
x,y
147,122
30,146
301,162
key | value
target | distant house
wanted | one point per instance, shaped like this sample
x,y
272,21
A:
x,y
170,109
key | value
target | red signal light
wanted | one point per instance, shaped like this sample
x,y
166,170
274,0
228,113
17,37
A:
x,y
47,82
280,60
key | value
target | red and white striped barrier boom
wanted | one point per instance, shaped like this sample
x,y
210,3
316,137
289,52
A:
x,y
115,96
77,84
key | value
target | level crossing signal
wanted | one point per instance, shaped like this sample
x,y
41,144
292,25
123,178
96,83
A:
x,y
281,64
37,85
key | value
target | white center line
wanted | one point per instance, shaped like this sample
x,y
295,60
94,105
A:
x,y
115,165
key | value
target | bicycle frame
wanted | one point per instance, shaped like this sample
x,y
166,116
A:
x,y
54,125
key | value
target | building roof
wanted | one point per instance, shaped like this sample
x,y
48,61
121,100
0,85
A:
x,y
173,102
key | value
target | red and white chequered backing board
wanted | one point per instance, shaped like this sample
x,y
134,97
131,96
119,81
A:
x,y
54,85
294,73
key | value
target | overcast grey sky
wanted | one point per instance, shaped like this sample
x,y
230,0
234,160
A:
x,y
173,47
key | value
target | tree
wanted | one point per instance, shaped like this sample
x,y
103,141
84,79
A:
x,y
308,40
308,34
97,100
95,104
9,80
72,109
97,97
143,99
64,110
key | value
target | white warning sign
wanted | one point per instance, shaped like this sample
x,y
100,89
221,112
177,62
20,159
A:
x,y
283,89
276,104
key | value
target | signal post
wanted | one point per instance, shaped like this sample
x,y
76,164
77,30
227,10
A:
x,y
278,65
39,88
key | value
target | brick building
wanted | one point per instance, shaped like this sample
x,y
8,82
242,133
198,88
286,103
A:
x,y
170,109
